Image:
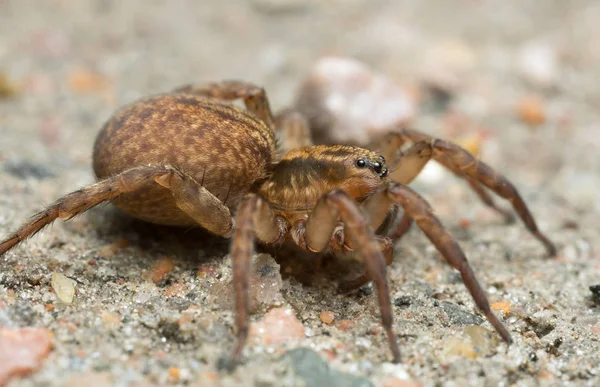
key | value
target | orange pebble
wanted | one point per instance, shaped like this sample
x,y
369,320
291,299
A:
x,y
531,111
501,305
326,317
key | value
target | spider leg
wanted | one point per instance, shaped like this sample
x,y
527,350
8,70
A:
x,y
254,97
418,208
319,227
255,220
406,166
194,200
292,130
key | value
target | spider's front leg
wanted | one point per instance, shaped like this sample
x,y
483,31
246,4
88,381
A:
x,y
422,213
335,206
405,166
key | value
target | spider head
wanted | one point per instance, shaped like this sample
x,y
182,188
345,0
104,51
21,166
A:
x,y
305,174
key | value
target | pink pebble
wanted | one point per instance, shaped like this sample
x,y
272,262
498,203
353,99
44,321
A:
x,y
22,350
279,325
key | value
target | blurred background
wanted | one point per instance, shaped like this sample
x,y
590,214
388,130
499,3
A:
x,y
516,82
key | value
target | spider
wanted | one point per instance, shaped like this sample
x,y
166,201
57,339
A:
x,y
190,157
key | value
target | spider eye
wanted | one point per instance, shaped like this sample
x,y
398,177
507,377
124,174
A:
x,y
377,166
361,163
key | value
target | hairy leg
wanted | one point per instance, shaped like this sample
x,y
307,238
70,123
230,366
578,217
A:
x,y
254,97
254,220
191,198
292,129
404,167
319,228
422,213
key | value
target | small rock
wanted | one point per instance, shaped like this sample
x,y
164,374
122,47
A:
x,y
265,281
149,319
178,289
64,287
344,325
327,317
531,111
22,350
279,325
446,64
475,342
484,341
7,88
345,102
174,375
459,316
595,289
538,63
83,81
159,270
455,346
265,286
315,372
501,305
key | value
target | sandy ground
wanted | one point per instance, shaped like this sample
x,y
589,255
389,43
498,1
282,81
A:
x,y
74,62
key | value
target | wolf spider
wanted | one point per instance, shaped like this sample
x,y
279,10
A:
x,y
192,158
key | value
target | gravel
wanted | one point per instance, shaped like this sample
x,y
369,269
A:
x,y
517,81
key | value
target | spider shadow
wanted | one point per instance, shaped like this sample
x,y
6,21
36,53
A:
x,y
194,245
314,269
191,245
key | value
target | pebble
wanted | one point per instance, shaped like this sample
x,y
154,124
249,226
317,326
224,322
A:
x,y
64,287
22,351
7,88
537,62
159,270
265,286
445,65
278,326
84,81
344,325
347,102
315,371
458,315
501,305
327,317
531,111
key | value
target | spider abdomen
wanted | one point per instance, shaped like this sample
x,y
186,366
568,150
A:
x,y
216,144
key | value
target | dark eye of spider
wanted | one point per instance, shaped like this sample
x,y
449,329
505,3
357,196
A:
x,y
361,163
377,166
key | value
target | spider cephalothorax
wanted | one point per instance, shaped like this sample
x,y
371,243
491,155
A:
x,y
304,174
189,157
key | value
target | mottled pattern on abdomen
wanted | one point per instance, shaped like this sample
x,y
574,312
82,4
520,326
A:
x,y
225,148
